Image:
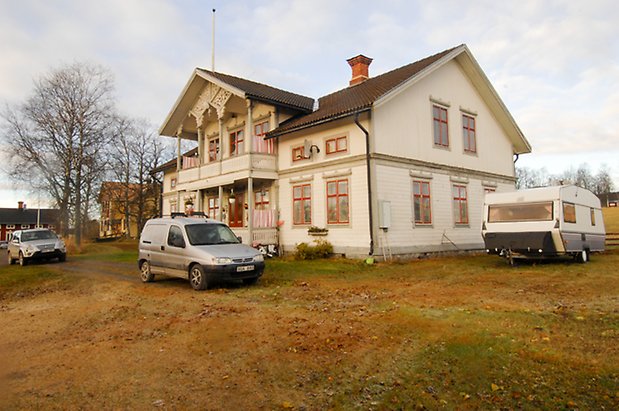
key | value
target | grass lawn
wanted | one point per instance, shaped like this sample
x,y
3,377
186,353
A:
x,y
464,332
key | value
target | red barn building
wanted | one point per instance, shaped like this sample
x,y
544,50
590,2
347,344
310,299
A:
x,y
22,218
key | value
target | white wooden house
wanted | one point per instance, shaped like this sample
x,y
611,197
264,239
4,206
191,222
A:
x,y
394,164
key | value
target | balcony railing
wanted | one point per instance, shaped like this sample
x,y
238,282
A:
x,y
263,162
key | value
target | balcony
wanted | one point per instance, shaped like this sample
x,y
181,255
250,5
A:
x,y
237,164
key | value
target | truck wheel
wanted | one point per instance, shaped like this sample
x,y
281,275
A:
x,y
197,278
22,259
583,256
145,274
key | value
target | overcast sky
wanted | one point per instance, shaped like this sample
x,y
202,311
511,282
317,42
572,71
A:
x,y
555,64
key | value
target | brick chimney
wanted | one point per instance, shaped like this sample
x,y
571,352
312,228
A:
x,y
20,205
360,69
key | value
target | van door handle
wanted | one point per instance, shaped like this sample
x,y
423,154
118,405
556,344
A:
x,y
162,248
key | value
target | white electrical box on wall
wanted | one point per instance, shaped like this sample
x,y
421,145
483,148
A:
x,y
384,214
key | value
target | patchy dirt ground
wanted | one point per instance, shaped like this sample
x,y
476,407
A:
x,y
315,336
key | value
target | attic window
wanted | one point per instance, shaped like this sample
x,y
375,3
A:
x,y
441,129
468,134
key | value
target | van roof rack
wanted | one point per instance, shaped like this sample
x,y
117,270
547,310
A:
x,y
195,214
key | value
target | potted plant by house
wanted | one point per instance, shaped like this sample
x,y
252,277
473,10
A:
x,y
189,207
317,231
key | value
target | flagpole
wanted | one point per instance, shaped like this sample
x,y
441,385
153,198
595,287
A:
x,y
213,44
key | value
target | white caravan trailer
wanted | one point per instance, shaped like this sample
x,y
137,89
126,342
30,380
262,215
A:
x,y
543,223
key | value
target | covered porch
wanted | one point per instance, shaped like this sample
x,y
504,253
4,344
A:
x,y
248,205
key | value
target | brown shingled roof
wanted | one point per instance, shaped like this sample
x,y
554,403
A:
x,y
259,91
356,98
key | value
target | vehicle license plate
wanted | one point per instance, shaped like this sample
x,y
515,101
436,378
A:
x,y
245,268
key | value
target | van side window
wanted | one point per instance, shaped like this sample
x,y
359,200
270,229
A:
x,y
175,237
569,213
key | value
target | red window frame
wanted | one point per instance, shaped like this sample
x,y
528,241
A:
x,y
213,149
422,202
260,144
298,153
468,133
460,202
301,197
338,202
237,140
213,207
261,200
441,126
336,145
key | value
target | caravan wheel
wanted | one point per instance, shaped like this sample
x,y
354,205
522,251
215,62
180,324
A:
x,y
583,256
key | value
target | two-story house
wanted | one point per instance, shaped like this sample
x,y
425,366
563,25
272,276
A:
x,y
125,208
396,164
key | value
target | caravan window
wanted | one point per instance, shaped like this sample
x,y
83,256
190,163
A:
x,y
569,213
506,213
592,216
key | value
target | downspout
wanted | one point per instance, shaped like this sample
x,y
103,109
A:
x,y
367,160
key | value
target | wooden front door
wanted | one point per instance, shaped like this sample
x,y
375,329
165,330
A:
x,y
236,208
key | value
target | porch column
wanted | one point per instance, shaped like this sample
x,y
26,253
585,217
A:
x,y
249,128
199,202
221,203
250,209
223,141
200,141
178,148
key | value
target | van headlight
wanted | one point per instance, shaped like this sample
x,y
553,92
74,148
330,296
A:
x,y
222,260
259,258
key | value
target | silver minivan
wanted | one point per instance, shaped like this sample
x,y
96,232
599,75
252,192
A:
x,y
198,249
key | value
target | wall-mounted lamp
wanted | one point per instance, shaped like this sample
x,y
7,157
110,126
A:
x,y
308,149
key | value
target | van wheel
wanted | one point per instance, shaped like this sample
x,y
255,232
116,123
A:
x,y
197,278
583,256
145,274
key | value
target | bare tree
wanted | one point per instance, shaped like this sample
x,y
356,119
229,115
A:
x,y
603,182
136,152
529,177
57,136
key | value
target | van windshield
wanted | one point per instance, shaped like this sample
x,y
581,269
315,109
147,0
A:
x,y
508,213
210,234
